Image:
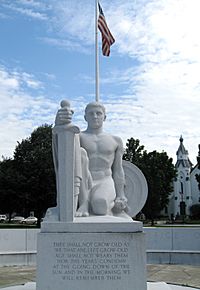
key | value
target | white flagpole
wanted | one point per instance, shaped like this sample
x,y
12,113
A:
x,y
96,52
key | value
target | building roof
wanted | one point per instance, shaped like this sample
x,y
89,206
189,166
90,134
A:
x,y
182,156
195,168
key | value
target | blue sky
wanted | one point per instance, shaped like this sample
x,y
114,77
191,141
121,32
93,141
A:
x,y
150,84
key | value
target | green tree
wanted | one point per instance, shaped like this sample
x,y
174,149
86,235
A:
x,y
10,183
33,159
159,172
195,211
133,151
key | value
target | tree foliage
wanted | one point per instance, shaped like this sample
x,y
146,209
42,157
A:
x,y
11,182
133,151
159,172
27,182
33,159
195,211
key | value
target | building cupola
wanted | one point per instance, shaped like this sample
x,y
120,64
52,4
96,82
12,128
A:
x,y
182,156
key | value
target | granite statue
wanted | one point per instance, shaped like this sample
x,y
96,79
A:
x,y
89,240
99,181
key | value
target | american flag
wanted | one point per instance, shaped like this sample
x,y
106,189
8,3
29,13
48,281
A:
x,y
107,38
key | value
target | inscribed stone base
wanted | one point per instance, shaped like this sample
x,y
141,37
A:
x,y
74,261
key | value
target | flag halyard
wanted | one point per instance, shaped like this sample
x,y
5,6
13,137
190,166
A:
x,y
107,38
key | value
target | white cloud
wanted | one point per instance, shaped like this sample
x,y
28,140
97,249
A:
x,y
7,81
33,12
155,31
30,81
161,87
74,19
163,36
35,4
20,111
68,44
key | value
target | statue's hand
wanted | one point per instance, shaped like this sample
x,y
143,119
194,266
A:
x,y
121,203
63,116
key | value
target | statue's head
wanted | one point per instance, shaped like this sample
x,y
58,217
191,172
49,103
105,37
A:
x,y
95,105
95,114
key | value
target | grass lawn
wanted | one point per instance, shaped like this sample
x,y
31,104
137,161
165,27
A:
x,y
16,226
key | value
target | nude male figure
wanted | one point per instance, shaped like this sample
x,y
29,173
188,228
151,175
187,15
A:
x,y
105,162
104,152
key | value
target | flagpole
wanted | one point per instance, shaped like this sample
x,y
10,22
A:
x,y
96,53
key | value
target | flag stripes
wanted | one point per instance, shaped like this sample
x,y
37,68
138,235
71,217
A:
x,y
107,38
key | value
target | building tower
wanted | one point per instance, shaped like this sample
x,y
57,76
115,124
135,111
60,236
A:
x,y
182,184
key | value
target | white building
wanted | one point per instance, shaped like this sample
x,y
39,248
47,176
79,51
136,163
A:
x,y
186,191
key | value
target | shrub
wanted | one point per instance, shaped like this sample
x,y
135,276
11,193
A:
x,y
195,211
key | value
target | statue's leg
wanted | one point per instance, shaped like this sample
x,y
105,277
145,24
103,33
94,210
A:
x,y
77,184
102,196
85,186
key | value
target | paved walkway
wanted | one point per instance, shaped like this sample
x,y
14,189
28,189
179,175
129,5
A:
x,y
16,275
174,274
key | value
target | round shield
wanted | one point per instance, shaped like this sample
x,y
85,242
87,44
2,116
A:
x,y
136,189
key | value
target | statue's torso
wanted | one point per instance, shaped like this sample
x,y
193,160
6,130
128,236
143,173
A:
x,y
100,149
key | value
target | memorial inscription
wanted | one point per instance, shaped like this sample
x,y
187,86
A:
x,y
91,260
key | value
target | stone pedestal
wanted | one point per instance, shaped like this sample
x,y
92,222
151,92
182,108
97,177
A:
x,y
92,253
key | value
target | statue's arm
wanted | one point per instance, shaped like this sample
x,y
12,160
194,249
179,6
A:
x,y
119,177
117,169
63,117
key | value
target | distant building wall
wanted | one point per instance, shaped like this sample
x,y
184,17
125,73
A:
x,y
170,245
185,185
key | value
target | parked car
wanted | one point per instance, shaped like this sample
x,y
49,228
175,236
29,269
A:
x,y
3,218
17,219
31,220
